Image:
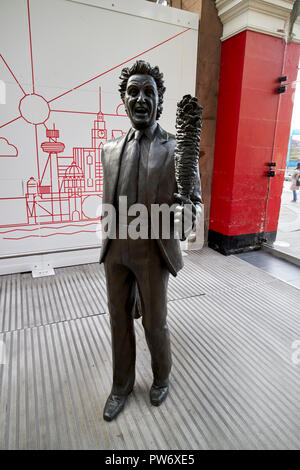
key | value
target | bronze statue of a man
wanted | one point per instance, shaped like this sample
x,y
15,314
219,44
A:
x,y
140,166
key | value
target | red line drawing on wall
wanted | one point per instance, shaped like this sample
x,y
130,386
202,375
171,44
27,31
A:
x,y
46,228
119,65
7,149
12,73
66,188
52,234
9,122
73,112
30,42
121,105
37,151
34,109
69,187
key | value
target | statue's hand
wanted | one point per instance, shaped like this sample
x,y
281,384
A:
x,y
183,221
186,217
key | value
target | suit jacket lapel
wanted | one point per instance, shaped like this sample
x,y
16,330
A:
x,y
157,156
114,163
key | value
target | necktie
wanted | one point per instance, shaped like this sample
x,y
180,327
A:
x,y
143,170
129,182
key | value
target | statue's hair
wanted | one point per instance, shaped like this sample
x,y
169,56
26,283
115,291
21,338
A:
x,y
142,67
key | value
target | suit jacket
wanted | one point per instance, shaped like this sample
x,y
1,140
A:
x,y
161,186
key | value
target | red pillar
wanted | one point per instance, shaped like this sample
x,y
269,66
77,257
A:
x,y
253,126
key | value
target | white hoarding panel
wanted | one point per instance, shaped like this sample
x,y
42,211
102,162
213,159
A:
x,y
60,63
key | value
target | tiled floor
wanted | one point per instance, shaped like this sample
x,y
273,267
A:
x,y
234,382
278,268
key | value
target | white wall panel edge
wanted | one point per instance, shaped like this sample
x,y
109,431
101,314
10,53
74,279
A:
x,y
57,259
147,10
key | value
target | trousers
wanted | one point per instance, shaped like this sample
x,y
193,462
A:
x,y
132,264
294,195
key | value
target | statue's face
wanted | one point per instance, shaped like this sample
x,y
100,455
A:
x,y
141,100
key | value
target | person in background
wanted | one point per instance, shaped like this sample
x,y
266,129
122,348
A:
x,y
295,180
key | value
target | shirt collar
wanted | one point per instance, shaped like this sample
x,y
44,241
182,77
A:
x,y
149,132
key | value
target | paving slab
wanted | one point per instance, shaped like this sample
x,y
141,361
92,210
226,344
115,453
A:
x,y
288,232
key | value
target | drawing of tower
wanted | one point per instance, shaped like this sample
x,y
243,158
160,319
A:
x,y
50,175
88,158
99,132
31,195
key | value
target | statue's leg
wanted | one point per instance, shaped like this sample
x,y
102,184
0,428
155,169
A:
x,y
152,278
120,283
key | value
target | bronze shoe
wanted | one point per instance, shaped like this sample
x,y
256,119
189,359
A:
x,y
158,394
113,406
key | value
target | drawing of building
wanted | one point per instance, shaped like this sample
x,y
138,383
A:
x,y
70,188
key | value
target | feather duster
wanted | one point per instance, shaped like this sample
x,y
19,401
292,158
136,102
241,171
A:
x,y
188,129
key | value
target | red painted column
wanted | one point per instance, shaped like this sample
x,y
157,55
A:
x,y
253,125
